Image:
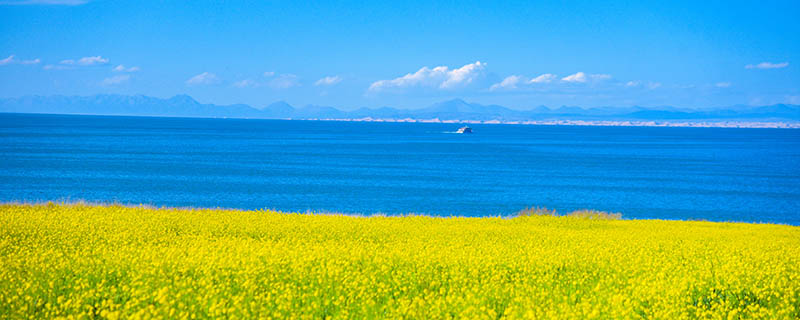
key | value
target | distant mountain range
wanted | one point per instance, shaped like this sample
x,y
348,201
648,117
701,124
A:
x,y
457,109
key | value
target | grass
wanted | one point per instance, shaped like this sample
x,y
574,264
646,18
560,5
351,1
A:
x,y
89,261
583,213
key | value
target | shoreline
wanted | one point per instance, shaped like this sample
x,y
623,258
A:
x,y
587,123
593,123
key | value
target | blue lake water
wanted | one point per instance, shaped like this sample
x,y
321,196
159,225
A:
x,y
713,174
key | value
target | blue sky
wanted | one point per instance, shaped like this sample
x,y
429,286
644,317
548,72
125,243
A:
x,y
407,54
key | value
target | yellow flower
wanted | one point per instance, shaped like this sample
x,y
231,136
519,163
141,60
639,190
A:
x,y
77,261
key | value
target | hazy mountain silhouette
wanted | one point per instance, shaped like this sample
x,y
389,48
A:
x,y
278,110
456,109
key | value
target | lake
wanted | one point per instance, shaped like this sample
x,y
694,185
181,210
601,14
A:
x,y
716,174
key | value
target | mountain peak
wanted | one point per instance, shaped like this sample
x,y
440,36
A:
x,y
278,109
454,100
183,98
279,105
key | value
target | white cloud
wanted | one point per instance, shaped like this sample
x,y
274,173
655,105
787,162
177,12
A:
x,y
722,84
88,61
577,77
636,83
122,68
284,81
544,78
463,75
520,82
244,83
269,73
11,59
55,67
514,81
424,76
44,2
8,60
203,78
600,76
85,61
441,77
767,65
115,80
509,82
581,77
328,81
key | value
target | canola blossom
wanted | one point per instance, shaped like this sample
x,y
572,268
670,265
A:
x,y
78,261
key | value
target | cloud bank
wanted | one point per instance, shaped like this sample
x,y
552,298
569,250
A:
x,y
13,60
122,68
203,78
509,82
244,83
441,77
544,78
115,80
328,81
85,61
767,65
515,82
577,77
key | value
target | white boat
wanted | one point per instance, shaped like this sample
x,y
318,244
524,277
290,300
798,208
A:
x,y
464,130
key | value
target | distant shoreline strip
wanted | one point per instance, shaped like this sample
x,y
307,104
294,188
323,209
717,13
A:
x,y
600,123
604,123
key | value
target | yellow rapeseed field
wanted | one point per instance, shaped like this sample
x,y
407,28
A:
x,y
81,261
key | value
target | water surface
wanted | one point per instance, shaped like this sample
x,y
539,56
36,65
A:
x,y
718,174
